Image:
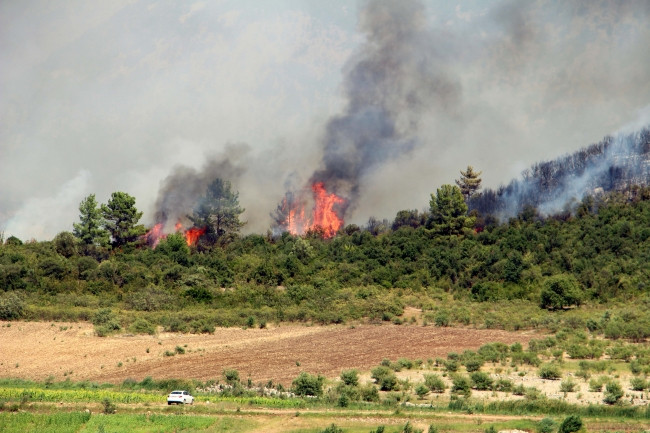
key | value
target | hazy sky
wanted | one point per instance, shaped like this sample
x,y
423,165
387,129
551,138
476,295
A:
x,y
97,97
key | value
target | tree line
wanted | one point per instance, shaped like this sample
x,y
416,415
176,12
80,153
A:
x,y
597,254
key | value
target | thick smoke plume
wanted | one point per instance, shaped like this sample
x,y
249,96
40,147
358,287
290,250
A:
x,y
180,191
556,186
389,84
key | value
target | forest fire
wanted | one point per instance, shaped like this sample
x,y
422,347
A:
x,y
324,215
156,234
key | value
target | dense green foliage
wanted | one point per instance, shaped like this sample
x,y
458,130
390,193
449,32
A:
x,y
496,276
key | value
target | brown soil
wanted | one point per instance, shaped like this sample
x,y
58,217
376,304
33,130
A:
x,y
36,350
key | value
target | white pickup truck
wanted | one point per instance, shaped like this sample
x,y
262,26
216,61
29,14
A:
x,y
180,397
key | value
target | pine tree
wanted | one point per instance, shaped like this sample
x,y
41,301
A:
x,y
449,211
218,212
121,219
89,230
469,182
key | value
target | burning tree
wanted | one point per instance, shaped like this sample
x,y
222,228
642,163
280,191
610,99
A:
x,y
325,217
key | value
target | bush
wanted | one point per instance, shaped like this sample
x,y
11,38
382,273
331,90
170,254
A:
x,y
333,428
571,424
461,386
638,384
546,425
350,377
481,380
109,406
503,385
568,386
385,378
307,384
474,363
12,306
613,392
202,327
451,366
142,326
550,372
369,393
231,376
435,383
441,318
105,322
560,291
421,390
596,385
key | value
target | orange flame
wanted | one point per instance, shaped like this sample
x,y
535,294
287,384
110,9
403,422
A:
x,y
323,215
192,235
156,234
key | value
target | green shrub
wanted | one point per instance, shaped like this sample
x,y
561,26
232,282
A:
x,y
613,392
142,326
105,322
638,384
560,291
474,363
546,425
461,386
369,393
231,376
596,385
550,372
108,406
568,386
350,377
571,424
519,389
451,366
384,377
442,318
435,383
421,390
503,385
202,327
333,428
307,384
481,381
533,393
12,307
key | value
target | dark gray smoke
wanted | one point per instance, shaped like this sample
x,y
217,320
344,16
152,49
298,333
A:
x,y
180,191
390,83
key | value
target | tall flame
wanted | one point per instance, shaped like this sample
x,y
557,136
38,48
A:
x,y
324,216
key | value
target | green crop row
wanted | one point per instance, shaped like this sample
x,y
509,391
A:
x,y
74,395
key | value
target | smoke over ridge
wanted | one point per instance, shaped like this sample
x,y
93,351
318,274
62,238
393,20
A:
x,y
180,191
551,187
390,83
382,105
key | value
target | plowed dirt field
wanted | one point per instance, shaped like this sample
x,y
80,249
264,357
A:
x,y
36,350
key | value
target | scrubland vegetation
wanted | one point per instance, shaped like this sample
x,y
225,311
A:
x,y
581,279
